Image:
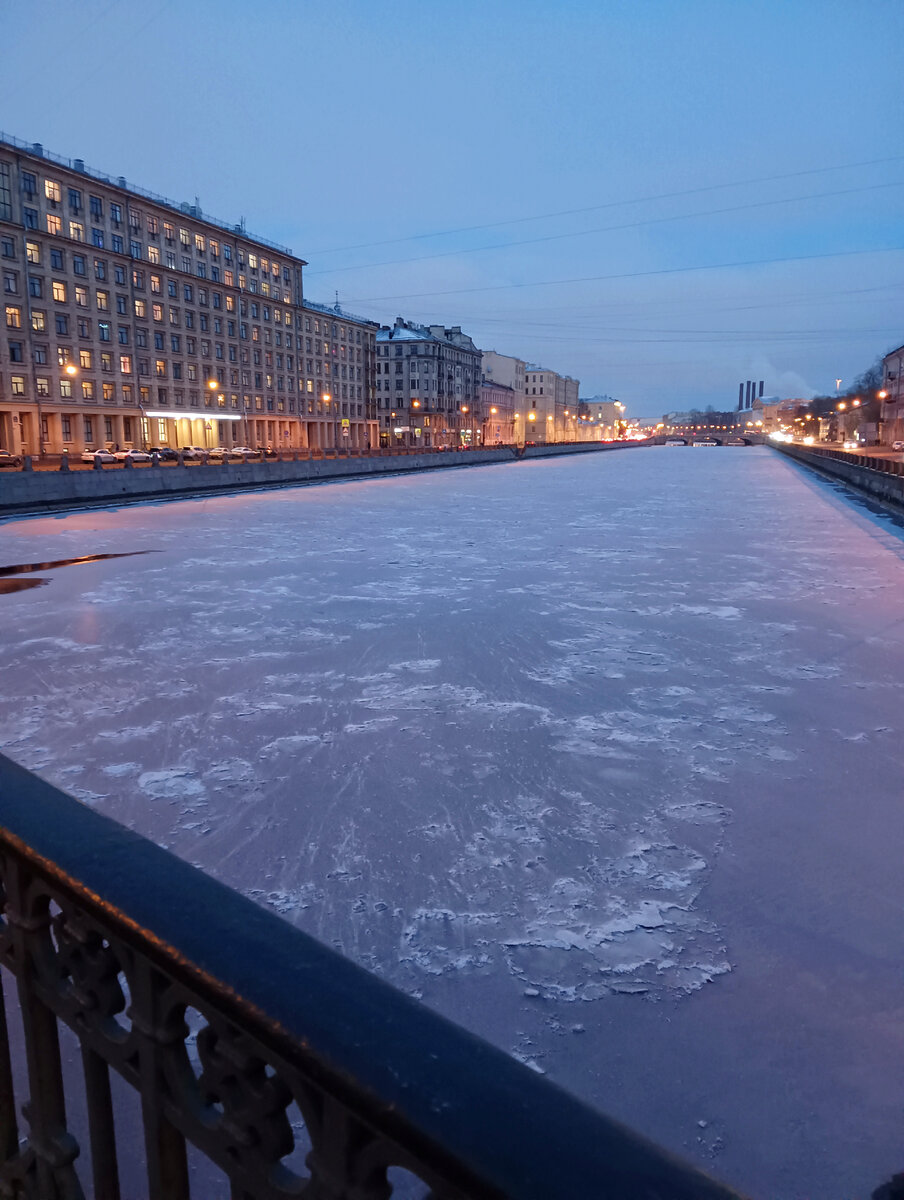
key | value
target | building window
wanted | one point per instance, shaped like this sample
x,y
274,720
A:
x,y
78,264
43,386
108,429
31,218
87,389
117,244
13,317
160,365
97,238
81,297
65,389
38,320
88,428
125,364
76,231
54,224
103,300
59,291
84,359
109,390
141,308
103,330
100,269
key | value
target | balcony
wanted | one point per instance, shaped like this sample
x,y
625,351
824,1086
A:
x,y
303,1075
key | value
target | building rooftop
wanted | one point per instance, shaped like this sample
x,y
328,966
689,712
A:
x,y
336,310
184,208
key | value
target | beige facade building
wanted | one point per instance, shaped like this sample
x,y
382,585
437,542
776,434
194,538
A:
x,y
497,409
131,320
892,411
551,406
427,386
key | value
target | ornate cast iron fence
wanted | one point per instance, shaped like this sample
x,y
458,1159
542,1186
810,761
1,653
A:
x,y
119,940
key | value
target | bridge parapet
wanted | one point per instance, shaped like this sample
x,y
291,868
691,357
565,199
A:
x,y
252,1042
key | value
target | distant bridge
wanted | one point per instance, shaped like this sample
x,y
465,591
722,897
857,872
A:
x,y
701,438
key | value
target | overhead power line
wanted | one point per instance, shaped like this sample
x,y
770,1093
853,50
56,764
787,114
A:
x,y
570,212
557,237
753,262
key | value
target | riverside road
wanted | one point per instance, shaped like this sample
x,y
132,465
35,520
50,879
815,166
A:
x,y
600,756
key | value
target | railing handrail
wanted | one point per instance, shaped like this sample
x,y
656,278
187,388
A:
x,y
474,1117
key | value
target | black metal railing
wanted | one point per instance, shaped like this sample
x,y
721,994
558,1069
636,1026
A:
x,y
120,941
872,462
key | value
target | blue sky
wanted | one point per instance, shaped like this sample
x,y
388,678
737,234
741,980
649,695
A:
x,y
364,134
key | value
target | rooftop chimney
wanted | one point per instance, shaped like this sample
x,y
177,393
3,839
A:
x,y
38,149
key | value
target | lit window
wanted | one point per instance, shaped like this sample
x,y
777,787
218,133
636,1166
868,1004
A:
x,y
65,388
252,261
87,389
18,385
103,301
59,291
84,359
125,364
33,252
157,312
81,297
42,385
52,190
76,231
160,365
199,242
141,308
153,254
155,284
54,224
153,225
184,237
169,231
38,321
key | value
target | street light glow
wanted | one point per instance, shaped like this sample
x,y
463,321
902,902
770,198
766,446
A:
x,y
71,369
213,384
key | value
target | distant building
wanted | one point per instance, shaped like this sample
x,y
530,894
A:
x,y
602,415
497,408
427,386
893,404
551,406
337,404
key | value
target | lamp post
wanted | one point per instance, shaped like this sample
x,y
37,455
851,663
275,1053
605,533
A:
x,y
213,384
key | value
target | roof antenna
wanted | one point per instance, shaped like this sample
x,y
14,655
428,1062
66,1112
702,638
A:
x,y
337,302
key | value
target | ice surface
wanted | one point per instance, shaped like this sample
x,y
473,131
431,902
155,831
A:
x,y
606,745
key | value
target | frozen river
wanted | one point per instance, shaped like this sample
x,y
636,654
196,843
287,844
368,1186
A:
x,y
601,757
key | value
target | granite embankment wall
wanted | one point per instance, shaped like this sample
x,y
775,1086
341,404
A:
x,y
23,492
881,478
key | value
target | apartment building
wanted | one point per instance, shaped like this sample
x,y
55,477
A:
x,y
551,405
337,406
892,410
427,386
132,320
497,409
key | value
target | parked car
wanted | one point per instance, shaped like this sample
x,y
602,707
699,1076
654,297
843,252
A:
x,y
850,444
218,452
244,452
133,456
195,452
104,456
9,460
897,445
164,453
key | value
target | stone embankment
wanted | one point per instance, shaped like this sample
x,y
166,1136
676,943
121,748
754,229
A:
x,y
23,492
880,478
